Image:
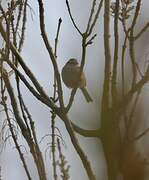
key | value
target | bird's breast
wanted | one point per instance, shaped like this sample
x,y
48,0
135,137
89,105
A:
x,y
70,77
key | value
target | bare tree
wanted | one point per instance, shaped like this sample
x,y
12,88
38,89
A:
x,y
118,119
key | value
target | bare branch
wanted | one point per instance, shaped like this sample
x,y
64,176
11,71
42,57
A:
x,y
15,139
16,3
140,135
116,51
95,18
137,87
142,31
51,53
91,14
25,67
34,150
131,41
55,53
57,35
71,99
44,100
86,133
69,11
78,148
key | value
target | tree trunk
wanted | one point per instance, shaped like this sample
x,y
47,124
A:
x,y
111,143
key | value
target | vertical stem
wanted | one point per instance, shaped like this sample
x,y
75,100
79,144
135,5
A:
x,y
123,66
115,60
109,128
107,72
53,146
132,57
131,42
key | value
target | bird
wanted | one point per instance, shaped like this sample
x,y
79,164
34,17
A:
x,y
70,76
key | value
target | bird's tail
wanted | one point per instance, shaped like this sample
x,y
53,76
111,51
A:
x,y
86,94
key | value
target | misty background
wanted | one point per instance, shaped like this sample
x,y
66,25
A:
x,y
85,115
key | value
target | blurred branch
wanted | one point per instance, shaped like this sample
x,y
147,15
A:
x,y
137,87
20,9
21,42
91,14
107,68
0,173
16,3
116,51
124,48
53,146
91,27
90,41
138,137
142,31
86,133
136,14
131,41
64,168
129,120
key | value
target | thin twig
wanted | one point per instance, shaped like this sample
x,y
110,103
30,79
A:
x,y
123,65
19,17
138,137
73,92
34,150
57,35
18,2
55,53
142,31
26,69
95,18
53,146
21,42
78,148
130,118
128,96
32,90
62,163
131,41
15,139
116,51
91,14
51,53
72,19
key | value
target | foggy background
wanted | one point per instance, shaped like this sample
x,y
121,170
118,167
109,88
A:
x,y
85,115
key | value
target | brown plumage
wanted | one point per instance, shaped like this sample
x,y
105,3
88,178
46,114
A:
x,y
70,76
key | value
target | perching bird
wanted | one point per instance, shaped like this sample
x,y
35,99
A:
x,y
70,76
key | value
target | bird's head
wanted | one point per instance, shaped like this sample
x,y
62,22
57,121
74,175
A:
x,y
73,62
